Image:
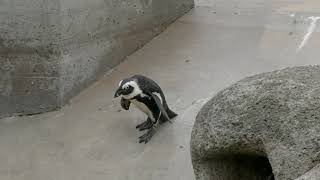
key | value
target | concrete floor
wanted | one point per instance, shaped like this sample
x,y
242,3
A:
x,y
216,44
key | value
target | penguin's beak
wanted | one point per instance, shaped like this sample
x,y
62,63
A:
x,y
118,92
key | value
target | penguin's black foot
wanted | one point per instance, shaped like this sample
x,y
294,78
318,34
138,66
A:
x,y
147,136
145,125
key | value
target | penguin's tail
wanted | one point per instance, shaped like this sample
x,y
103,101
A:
x,y
171,114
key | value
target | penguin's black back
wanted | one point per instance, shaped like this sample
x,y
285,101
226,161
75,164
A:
x,y
148,85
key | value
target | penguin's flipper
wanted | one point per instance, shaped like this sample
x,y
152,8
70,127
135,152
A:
x,y
125,104
160,106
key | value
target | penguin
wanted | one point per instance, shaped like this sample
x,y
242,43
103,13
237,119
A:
x,y
148,97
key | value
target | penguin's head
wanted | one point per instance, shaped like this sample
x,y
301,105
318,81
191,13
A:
x,y
128,88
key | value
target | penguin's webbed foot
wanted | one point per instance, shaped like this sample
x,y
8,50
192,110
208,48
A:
x,y
147,136
145,125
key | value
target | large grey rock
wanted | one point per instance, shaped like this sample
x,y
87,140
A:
x,y
313,174
52,49
270,120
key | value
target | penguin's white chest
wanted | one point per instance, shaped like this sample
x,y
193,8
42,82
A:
x,y
142,107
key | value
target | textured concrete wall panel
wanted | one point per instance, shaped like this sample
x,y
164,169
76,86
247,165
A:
x,y
51,49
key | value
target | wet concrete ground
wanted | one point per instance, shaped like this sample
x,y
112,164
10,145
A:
x,y
216,44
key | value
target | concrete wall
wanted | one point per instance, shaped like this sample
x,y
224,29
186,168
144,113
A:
x,y
29,53
52,49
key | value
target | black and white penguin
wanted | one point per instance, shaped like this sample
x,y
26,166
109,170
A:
x,y
148,97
